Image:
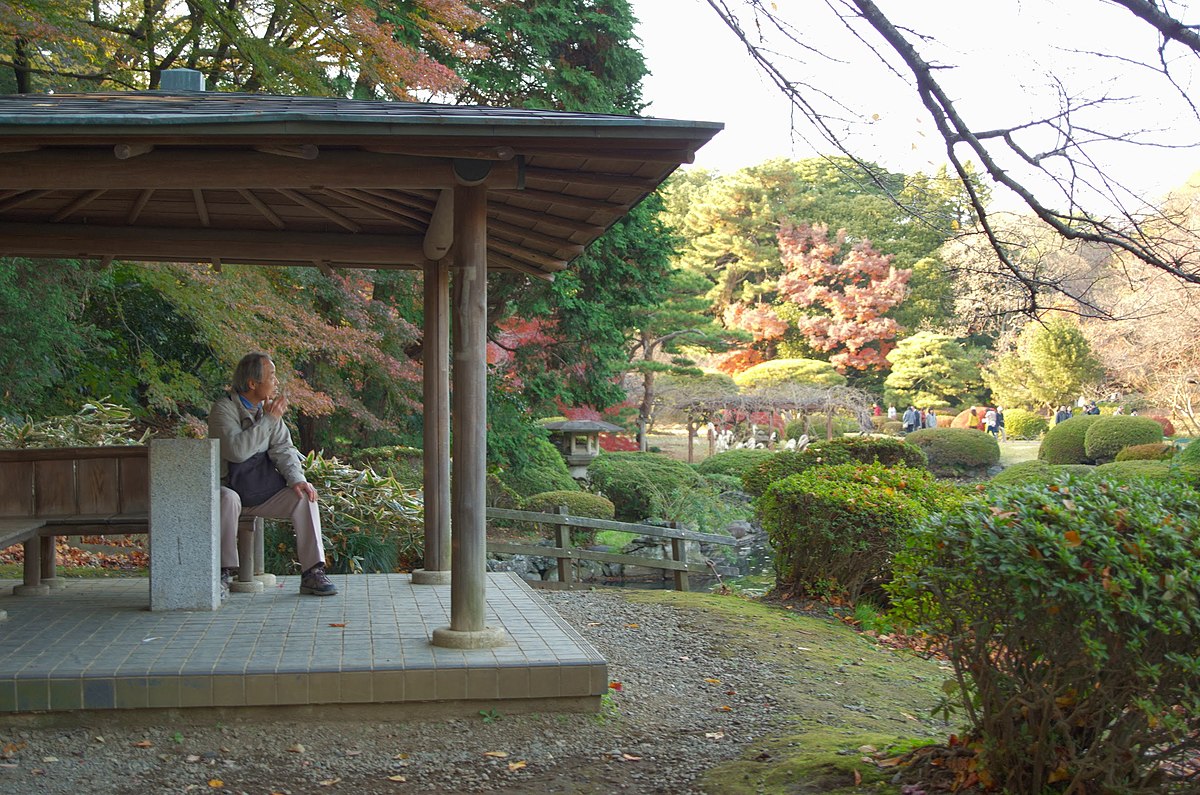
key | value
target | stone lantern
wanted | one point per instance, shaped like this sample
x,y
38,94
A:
x,y
579,442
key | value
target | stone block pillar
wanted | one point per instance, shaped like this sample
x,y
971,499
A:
x,y
185,521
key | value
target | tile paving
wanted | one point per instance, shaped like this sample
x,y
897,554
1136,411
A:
x,y
95,645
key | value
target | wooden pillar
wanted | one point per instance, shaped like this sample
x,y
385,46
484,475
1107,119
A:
x,y
691,429
436,454
468,565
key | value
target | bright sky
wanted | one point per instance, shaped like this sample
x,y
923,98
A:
x,y
701,71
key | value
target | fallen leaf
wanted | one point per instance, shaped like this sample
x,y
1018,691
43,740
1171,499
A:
x,y
725,708
296,749
143,744
515,766
857,778
731,692
396,778
496,754
713,681
631,758
893,762
632,626
354,753
193,758
329,782
714,735
594,624
400,756
49,758
614,685
216,783
685,659
1073,539
337,625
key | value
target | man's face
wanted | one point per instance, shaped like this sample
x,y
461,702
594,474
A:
x,y
261,390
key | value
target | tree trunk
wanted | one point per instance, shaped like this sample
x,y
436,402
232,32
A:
x,y
645,409
21,64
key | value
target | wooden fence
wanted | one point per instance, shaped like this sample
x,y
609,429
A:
x,y
567,554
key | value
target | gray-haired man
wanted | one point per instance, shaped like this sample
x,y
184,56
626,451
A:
x,y
261,473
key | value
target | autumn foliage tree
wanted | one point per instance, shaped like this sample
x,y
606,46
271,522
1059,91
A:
x,y
844,292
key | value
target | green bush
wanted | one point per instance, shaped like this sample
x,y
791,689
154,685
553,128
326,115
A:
x,y
643,485
893,427
732,462
863,449
1024,424
405,464
1110,435
1155,451
1063,444
579,503
1038,472
835,528
1161,471
956,451
1070,615
723,483
371,522
789,371
542,470
1190,454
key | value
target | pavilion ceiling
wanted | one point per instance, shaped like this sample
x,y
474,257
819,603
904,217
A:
x,y
255,179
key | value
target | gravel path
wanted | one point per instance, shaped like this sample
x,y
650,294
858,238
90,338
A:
x,y
662,729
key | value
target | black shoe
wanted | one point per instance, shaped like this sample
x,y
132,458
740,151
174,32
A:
x,y
315,582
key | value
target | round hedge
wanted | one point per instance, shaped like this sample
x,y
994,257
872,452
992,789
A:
x,y
1158,471
1155,451
1063,444
886,450
1024,424
579,503
836,528
1190,454
732,462
1039,472
1110,435
641,485
956,451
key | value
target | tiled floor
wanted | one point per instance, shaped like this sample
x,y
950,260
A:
x,y
95,645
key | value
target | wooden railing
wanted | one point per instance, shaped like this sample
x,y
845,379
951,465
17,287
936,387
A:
x,y
567,553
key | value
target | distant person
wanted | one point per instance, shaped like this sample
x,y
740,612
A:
x,y
261,473
891,412
1063,414
1092,408
973,420
877,410
990,423
1000,423
931,419
1119,410
910,419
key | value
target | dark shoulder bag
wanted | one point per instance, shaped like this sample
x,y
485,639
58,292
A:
x,y
256,479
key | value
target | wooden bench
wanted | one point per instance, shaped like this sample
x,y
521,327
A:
x,y
70,491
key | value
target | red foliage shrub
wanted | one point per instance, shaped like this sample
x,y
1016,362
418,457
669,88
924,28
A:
x,y
616,443
1167,426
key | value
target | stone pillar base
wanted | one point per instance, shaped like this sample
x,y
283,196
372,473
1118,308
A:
x,y
426,577
54,582
31,590
486,638
238,586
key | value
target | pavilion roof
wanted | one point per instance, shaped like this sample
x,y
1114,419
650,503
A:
x,y
259,179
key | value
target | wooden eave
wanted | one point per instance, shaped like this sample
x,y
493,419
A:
x,y
151,176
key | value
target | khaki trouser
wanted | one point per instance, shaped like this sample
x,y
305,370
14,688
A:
x,y
286,504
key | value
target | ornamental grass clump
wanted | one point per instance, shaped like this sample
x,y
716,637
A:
x,y
834,529
1070,613
371,523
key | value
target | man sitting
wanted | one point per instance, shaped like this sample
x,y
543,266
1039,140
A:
x,y
261,473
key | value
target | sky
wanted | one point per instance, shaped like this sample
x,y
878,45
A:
x,y
700,71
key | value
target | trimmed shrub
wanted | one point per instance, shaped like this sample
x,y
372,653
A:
x,y
953,452
1161,471
863,449
1024,424
1063,444
543,470
789,371
893,427
835,528
1069,614
1155,451
1190,454
1167,426
1024,472
1104,439
723,483
579,503
732,462
642,485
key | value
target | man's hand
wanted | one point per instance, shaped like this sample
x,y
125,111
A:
x,y
276,406
305,490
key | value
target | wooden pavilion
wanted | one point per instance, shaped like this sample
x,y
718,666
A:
x,y
454,191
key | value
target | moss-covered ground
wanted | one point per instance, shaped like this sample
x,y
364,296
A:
x,y
841,690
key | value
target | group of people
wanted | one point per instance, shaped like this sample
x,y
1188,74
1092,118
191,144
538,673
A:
x,y
991,421
914,419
